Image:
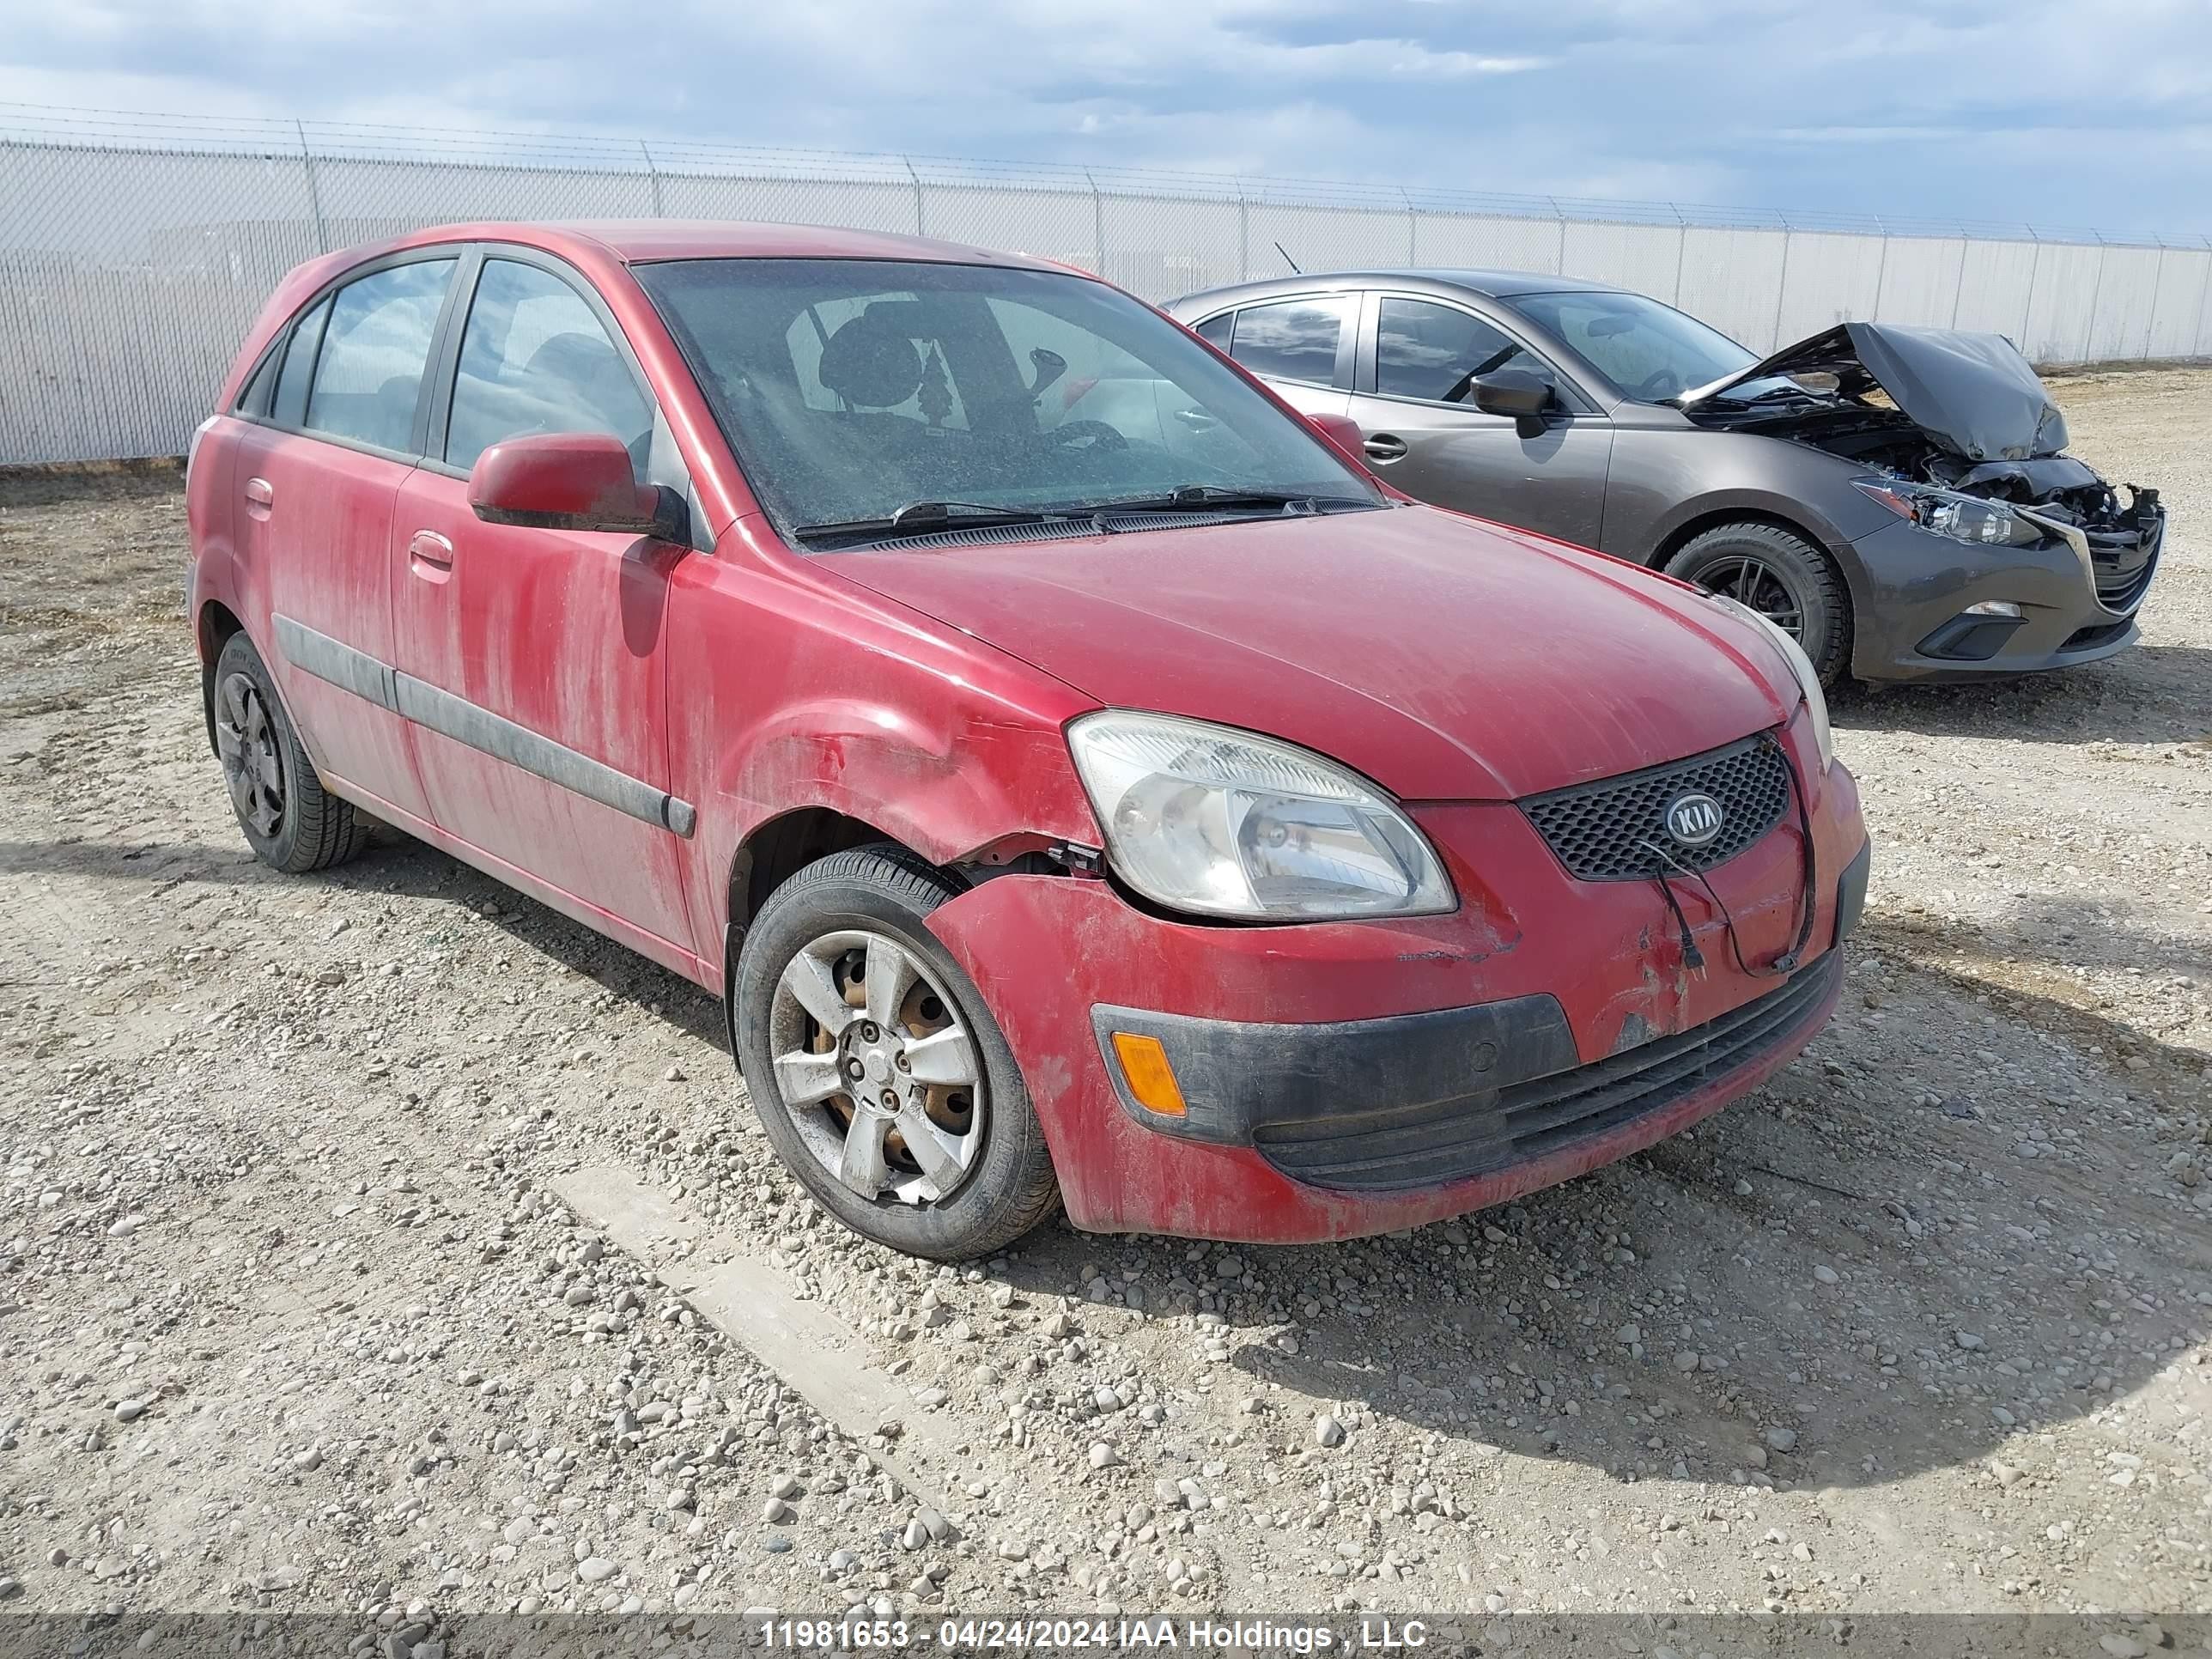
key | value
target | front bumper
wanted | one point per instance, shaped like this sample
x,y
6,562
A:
x,y
1350,1079
1916,587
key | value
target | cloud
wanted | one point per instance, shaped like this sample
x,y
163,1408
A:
x,y
1963,108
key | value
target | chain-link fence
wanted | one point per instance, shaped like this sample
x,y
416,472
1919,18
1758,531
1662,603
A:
x,y
135,250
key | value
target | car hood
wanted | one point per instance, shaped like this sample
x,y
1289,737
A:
x,y
1442,656
1973,394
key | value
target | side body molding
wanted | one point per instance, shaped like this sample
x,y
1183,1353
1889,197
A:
x,y
440,711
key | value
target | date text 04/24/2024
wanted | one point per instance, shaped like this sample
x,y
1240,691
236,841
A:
x,y
1092,1633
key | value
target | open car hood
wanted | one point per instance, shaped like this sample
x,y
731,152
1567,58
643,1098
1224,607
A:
x,y
1973,394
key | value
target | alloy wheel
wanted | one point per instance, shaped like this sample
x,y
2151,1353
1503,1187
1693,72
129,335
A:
x,y
875,1069
253,765
1756,585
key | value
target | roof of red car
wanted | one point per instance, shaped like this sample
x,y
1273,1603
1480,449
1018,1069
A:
x,y
637,241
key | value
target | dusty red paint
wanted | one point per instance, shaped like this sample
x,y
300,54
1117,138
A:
x,y
1457,663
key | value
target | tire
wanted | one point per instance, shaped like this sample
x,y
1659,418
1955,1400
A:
x,y
292,823
861,909
1776,572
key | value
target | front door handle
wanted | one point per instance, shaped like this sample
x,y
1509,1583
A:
x,y
1385,447
429,555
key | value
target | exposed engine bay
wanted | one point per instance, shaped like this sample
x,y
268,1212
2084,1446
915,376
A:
x,y
1944,422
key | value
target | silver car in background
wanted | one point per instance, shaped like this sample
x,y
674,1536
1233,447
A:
x,y
1897,498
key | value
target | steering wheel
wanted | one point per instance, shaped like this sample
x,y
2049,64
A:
x,y
1660,383
1088,435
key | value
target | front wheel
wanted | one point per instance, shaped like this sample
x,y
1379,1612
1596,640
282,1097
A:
x,y
878,1074
1784,577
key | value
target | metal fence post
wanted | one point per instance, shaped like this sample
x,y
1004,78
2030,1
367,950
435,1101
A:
x,y
1243,237
916,177
653,172
1782,287
2096,293
1880,268
1681,247
314,190
2203,289
2157,282
1413,229
1097,224
1959,287
1560,258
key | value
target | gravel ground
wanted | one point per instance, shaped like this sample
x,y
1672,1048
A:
x,y
292,1319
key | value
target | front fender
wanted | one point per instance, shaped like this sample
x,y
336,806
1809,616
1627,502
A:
x,y
791,688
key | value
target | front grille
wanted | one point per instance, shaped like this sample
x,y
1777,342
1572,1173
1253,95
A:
x,y
1472,1134
2124,574
1594,827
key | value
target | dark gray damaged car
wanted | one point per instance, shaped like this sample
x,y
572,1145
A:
x,y
1896,497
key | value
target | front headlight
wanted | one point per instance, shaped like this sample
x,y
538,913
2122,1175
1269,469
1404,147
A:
x,y
1968,519
1222,823
1809,679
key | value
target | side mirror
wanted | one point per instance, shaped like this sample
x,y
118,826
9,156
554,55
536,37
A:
x,y
1514,392
571,481
1343,433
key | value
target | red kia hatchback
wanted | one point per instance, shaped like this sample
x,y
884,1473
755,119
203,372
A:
x,y
1085,784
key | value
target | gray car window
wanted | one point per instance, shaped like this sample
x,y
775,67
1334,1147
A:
x,y
1214,331
534,359
1432,351
1290,339
370,369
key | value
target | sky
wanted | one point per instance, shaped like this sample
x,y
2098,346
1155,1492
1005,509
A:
x,y
2060,112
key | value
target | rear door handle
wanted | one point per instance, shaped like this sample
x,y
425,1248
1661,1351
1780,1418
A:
x,y
1385,447
259,497
429,555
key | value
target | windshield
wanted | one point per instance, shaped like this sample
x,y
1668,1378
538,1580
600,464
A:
x,y
852,389
1651,352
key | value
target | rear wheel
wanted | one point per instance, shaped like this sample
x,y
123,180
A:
x,y
878,1074
1784,577
291,822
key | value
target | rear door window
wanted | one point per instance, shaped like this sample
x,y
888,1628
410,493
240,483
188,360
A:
x,y
535,359
1290,339
369,373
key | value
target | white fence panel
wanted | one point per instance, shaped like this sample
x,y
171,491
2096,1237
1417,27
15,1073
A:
x,y
1487,242
1833,277
1160,247
1647,258
2125,296
2174,319
1048,224
2065,288
1920,281
854,205
1732,277
1994,288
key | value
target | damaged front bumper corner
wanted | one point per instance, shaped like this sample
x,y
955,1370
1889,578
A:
x,y
1943,609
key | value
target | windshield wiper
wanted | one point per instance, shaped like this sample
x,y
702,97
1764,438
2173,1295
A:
x,y
919,518
1188,498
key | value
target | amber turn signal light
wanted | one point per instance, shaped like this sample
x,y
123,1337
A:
x,y
1152,1079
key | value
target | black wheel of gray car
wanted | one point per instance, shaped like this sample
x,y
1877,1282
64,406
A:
x,y
1784,577
877,1072
292,823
